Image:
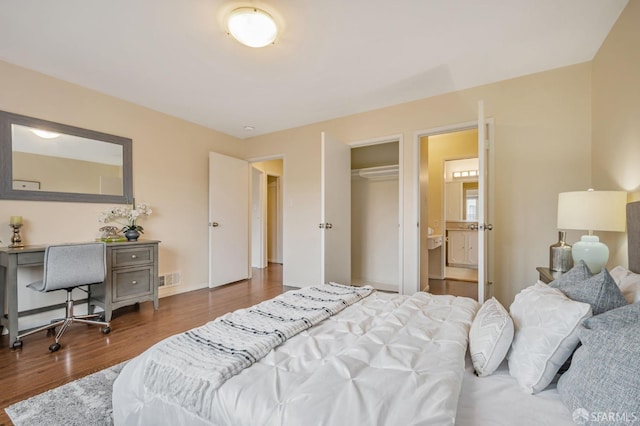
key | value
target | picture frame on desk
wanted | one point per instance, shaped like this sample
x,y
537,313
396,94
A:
x,y
26,185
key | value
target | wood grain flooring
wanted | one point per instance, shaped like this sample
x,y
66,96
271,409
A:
x,y
33,369
454,287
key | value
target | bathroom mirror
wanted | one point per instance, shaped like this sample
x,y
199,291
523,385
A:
x,y
46,161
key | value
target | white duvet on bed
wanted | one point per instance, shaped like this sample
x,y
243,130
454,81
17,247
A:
x,y
388,359
499,400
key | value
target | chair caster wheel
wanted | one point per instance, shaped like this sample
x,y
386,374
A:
x,y
54,347
17,344
106,330
51,331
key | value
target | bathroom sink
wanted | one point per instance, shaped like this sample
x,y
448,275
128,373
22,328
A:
x,y
434,241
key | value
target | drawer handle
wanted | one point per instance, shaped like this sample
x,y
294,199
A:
x,y
134,282
133,256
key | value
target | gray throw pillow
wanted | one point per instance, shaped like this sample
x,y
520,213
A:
x,y
604,378
575,275
600,291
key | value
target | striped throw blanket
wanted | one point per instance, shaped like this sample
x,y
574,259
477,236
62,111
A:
x,y
188,368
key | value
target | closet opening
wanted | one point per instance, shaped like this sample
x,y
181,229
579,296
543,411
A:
x,y
375,215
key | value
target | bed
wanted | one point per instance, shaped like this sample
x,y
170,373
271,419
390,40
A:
x,y
368,358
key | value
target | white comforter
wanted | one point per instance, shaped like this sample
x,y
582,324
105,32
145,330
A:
x,y
389,359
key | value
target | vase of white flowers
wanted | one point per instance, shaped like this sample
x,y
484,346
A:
x,y
127,217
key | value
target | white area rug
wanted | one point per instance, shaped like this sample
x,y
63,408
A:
x,y
84,402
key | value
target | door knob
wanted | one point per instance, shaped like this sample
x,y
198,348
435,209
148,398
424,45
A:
x,y
214,224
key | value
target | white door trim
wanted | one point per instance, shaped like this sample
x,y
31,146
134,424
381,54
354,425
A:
x,y
258,228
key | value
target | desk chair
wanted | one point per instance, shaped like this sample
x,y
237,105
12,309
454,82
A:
x,y
68,266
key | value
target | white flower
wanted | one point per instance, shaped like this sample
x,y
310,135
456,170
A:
x,y
130,214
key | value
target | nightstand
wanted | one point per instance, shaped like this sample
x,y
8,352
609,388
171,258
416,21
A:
x,y
547,275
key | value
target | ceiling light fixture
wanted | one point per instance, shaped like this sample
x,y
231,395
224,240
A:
x,y
44,134
252,27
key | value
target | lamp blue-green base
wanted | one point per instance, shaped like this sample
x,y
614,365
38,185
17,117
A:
x,y
594,253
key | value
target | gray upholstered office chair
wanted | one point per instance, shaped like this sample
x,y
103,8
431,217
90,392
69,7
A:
x,y
68,266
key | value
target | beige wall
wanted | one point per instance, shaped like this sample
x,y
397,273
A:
x,y
170,170
61,174
542,147
616,117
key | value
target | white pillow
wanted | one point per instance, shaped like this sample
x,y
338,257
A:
x,y
490,337
546,324
628,283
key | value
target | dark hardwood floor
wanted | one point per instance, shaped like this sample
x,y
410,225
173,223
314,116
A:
x,y
33,369
453,287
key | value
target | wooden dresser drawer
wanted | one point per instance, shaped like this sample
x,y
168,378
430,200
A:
x,y
132,283
132,256
132,276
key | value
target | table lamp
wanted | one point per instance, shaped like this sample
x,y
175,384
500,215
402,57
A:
x,y
592,211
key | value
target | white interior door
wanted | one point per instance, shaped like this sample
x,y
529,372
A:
x,y
483,205
228,219
335,218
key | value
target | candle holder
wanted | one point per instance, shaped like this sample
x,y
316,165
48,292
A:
x,y
16,240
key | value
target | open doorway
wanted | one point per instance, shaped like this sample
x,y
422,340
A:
x,y
266,213
274,219
448,197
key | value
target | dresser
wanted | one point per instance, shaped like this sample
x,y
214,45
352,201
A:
x,y
132,276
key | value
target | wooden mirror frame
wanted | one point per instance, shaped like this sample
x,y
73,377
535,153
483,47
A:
x,y
6,159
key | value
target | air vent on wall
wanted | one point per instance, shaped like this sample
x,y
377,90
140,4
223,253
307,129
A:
x,y
170,279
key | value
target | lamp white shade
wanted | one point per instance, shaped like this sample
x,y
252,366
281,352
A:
x,y
592,211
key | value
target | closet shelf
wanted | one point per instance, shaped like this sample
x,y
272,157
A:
x,y
381,172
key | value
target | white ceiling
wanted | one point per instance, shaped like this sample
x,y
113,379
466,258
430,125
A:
x,y
333,58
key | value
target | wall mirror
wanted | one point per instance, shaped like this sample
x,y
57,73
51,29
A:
x,y
46,161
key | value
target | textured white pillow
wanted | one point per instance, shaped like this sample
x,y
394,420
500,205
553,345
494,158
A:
x,y
490,337
628,283
546,323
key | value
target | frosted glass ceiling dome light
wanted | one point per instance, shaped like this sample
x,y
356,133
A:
x,y
252,27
